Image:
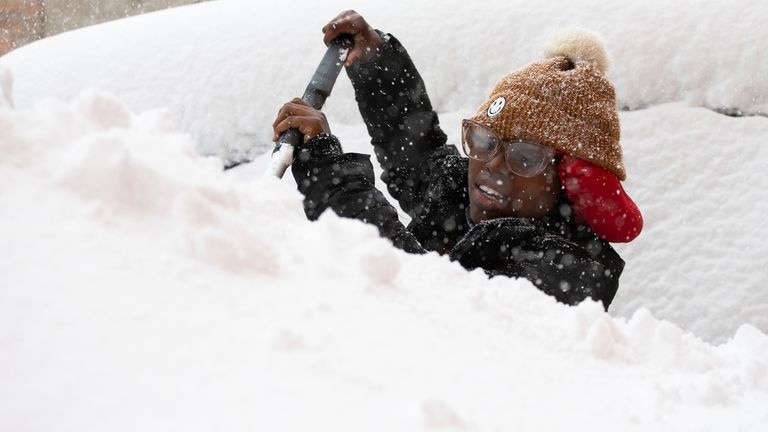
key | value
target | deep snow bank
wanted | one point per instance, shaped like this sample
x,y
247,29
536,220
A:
x,y
144,289
223,68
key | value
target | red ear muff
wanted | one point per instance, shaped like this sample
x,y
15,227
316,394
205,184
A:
x,y
599,201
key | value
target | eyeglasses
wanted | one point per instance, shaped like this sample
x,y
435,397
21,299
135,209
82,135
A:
x,y
523,158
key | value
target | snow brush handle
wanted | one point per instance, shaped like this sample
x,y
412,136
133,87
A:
x,y
318,90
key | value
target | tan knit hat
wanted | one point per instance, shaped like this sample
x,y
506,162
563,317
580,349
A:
x,y
564,102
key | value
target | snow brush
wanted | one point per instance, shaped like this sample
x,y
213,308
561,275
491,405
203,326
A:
x,y
318,90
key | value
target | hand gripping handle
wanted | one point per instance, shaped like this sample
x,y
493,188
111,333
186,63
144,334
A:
x,y
317,91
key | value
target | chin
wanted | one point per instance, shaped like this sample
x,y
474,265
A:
x,y
478,214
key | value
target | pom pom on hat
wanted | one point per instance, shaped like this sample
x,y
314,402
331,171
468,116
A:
x,y
578,44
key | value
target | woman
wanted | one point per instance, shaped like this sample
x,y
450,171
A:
x,y
539,195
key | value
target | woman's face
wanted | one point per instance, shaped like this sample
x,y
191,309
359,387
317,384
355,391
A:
x,y
495,191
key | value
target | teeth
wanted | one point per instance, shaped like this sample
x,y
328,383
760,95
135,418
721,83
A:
x,y
490,191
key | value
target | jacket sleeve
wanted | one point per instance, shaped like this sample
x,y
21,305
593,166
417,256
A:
x,y
344,182
404,128
569,270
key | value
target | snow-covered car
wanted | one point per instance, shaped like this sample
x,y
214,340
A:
x,y
146,288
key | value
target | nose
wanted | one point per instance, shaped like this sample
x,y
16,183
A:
x,y
497,163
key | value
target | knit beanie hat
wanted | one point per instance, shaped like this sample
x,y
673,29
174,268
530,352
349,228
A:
x,y
564,102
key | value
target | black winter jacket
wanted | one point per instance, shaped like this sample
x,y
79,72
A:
x,y
429,180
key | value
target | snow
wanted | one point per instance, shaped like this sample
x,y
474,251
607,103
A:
x,y
711,54
143,288
147,289
699,179
6,88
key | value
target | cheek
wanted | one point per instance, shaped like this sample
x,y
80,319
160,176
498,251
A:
x,y
472,172
542,190
551,185
474,168
549,179
550,189
535,187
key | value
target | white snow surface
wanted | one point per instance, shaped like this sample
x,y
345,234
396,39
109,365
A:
x,y
215,65
145,289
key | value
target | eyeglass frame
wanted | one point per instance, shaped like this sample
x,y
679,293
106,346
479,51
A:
x,y
549,157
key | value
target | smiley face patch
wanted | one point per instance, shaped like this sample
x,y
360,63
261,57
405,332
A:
x,y
496,106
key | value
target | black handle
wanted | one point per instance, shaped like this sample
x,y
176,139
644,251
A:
x,y
321,84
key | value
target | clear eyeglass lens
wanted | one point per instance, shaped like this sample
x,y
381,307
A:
x,y
526,159
483,142
479,143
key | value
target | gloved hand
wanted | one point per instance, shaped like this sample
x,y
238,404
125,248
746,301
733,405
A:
x,y
598,200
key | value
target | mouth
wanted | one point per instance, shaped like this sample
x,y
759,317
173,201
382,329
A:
x,y
490,192
488,197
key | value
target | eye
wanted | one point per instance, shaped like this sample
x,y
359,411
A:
x,y
524,161
482,140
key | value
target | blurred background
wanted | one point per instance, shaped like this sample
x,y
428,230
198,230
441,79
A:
x,y
25,21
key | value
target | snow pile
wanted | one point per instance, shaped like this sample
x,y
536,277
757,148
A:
x,y
145,289
699,179
223,68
